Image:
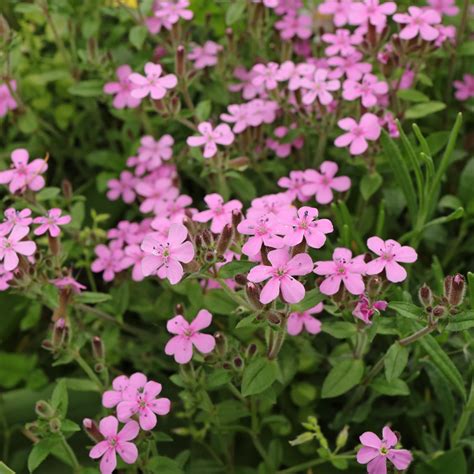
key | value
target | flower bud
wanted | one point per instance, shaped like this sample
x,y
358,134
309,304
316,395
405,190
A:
x,y
67,189
425,295
253,295
209,257
60,333
55,425
92,430
264,255
341,439
180,65
448,281
43,409
274,318
458,289
236,218
238,362
53,245
47,345
374,285
240,279
221,343
226,366
241,163
438,311
207,237
225,239
179,309
251,350
99,367
98,349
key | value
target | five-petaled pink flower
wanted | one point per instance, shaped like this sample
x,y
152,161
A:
x,y
171,11
115,443
264,230
368,90
373,12
24,175
341,42
418,22
340,9
319,87
111,398
15,218
219,212
293,25
153,83
14,244
358,133
205,55
140,398
51,222
465,88
342,268
265,75
280,275
123,187
307,226
188,335
322,183
304,320
164,256
153,152
122,89
211,137
375,452
108,261
390,252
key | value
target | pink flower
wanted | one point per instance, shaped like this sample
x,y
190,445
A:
x,y
364,309
304,320
263,230
188,335
51,222
319,87
265,75
206,55
242,116
69,283
5,277
340,9
13,244
349,66
115,443
171,11
388,121
175,207
465,88
283,150
358,133
15,218
155,193
153,83
123,187
293,25
153,152
322,183
164,257
140,398
342,268
211,137
133,257
373,12
367,90
112,398
446,33
390,252
246,86
219,212
342,42
24,175
294,183
307,226
280,276
108,261
122,89
419,22
125,233
7,102
444,7
376,451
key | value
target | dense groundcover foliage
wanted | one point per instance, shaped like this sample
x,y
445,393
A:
x,y
237,236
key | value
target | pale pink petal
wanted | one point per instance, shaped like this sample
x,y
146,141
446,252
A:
x,y
292,290
376,244
150,264
177,325
406,254
204,343
371,440
389,436
366,454
111,398
270,291
128,452
295,324
147,419
129,431
201,321
395,272
401,458
259,273
108,426
300,264
161,406
99,449
279,257
108,462
378,465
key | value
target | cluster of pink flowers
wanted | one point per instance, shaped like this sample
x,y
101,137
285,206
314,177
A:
x,y
167,13
205,55
135,398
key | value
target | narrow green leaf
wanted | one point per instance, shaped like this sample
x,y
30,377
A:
x,y
424,109
369,185
4,469
470,284
235,11
412,95
395,387
339,329
342,377
407,310
137,36
92,297
395,361
258,376
40,452
461,321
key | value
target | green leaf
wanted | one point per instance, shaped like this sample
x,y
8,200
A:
x,y
369,185
412,95
241,185
91,297
47,193
137,36
164,465
218,378
90,88
339,329
451,461
424,109
81,385
59,397
235,11
342,377
470,287
203,110
15,368
230,411
443,363
401,173
461,321
396,387
407,310
395,361
229,270
258,376
217,301
311,298
40,452
4,469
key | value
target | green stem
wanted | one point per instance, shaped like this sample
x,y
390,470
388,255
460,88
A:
x,y
70,453
88,370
